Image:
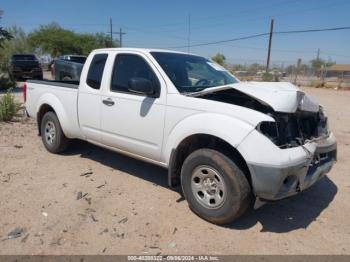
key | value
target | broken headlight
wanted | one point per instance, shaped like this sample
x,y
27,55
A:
x,y
269,129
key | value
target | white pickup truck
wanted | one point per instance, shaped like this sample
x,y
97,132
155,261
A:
x,y
226,142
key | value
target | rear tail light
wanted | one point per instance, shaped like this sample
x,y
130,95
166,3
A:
x,y
25,92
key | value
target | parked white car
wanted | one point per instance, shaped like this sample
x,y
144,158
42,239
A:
x,y
225,142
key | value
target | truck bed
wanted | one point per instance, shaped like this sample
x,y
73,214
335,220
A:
x,y
67,84
62,94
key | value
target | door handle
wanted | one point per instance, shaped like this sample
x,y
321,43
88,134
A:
x,y
108,102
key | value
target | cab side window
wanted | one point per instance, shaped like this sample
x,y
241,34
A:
x,y
128,66
95,73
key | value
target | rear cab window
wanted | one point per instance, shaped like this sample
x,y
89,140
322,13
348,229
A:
x,y
95,73
77,59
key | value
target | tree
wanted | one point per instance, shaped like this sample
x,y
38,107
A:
x,y
53,39
219,58
6,80
318,63
56,40
254,68
17,44
4,34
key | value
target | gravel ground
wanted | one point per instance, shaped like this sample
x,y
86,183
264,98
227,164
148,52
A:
x,y
125,206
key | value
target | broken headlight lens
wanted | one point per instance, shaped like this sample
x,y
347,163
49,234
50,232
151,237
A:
x,y
269,129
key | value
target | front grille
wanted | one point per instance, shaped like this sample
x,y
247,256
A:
x,y
295,129
27,69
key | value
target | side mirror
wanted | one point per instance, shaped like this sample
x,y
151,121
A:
x,y
142,86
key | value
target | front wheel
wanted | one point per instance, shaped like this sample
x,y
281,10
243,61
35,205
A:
x,y
52,135
215,187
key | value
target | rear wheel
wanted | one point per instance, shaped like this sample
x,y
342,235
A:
x,y
52,135
215,187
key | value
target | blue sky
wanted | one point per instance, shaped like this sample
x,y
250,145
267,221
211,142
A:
x,y
164,24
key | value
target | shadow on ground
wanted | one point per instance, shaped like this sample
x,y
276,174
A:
x,y
279,217
293,213
146,171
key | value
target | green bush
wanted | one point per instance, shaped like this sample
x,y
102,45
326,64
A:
x,y
267,77
6,82
8,107
6,79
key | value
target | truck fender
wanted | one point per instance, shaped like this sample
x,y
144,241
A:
x,y
54,102
227,128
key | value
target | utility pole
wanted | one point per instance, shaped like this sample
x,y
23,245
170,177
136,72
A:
x,y
269,50
189,33
111,30
318,54
121,33
297,70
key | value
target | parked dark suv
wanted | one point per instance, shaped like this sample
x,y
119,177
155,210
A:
x,y
25,66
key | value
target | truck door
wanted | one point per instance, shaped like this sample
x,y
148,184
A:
x,y
130,121
89,98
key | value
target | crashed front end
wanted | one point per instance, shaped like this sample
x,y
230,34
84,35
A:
x,y
303,151
290,152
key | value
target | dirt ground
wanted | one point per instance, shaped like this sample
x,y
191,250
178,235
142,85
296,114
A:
x,y
127,208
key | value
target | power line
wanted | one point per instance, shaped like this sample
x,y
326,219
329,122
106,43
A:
x,y
291,51
220,17
224,41
282,14
265,34
313,30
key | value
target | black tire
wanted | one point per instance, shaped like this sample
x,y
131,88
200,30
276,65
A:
x,y
236,196
59,143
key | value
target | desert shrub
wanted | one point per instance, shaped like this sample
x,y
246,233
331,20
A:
x,y
344,85
246,78
317,83
6,79
8,107
267,77
6,82
330,85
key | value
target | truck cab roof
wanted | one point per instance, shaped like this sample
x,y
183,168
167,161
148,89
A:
x,y
134,49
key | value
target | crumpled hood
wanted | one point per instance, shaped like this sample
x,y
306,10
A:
x,y
281,96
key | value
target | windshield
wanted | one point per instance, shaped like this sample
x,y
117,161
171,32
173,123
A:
x,y
190,73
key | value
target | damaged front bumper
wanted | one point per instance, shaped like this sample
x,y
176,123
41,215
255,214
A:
x,y
279,173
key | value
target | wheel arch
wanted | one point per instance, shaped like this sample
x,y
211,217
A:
x,y
50,103
44,108
197,141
